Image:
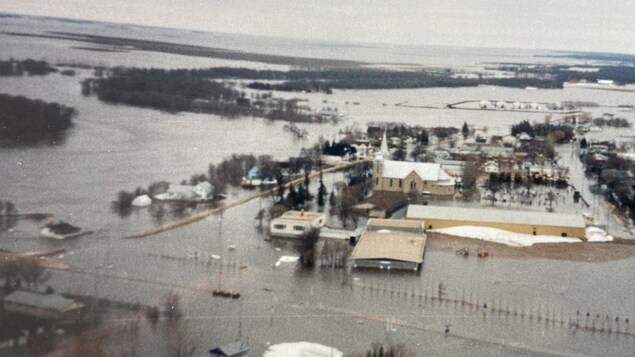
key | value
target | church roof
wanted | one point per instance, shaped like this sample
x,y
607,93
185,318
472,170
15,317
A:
x,y
426,171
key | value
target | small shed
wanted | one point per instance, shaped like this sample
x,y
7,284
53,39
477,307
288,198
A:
x,y
239,348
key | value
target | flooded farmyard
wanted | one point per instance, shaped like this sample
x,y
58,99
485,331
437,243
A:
x,y
223,278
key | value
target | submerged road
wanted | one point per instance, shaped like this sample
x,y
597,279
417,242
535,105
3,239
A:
x,y
202,215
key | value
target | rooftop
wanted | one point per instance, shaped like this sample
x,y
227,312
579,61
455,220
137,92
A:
x,y
390,245
51,301
495,215
376,224
301,215
427,171
383,200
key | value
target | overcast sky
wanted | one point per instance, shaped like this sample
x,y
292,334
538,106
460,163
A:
x,y
546,24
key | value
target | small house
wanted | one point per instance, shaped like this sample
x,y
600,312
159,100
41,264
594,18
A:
x,y
294,224
253,178
177,193
204,190
491,167
524,137
509,141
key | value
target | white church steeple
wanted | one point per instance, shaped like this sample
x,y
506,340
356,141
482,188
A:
x,y
383,150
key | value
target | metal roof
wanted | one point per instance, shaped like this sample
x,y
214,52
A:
x,y
232,349
390,245
376,224
495,215
44,301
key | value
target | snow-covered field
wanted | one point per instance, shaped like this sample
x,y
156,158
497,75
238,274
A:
x,y
301,349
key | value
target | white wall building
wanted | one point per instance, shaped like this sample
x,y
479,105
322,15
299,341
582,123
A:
x,y
294,224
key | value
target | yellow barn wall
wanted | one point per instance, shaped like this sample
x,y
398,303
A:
x,y
518,228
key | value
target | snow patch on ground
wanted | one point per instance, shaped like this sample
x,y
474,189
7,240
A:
x,y
141,201
301,349
596,234
496,235
286,259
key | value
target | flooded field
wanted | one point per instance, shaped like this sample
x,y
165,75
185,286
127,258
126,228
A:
x,y
534,306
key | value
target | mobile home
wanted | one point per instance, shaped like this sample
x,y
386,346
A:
x,y
294,224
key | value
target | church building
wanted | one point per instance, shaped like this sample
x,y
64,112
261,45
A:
x,y
406,177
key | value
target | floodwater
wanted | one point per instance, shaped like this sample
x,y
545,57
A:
x,y
112,147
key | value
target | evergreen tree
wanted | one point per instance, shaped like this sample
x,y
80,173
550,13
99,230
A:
x,y
583,143
292,197
465,130
306,178
423,138
321,191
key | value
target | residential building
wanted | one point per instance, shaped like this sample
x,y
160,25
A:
x,y
294,224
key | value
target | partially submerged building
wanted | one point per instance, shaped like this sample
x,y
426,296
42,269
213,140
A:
x,y
50,306
200,192
390,244
350,236
294,224
528,222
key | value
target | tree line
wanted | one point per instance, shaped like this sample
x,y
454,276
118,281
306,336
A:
x,y
186,90
26,121
31,67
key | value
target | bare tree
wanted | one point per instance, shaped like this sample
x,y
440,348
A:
x,y
471,173
21,272
379,350
307,247
348,198
493,185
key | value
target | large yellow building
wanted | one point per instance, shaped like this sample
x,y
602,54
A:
x,y
528,222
